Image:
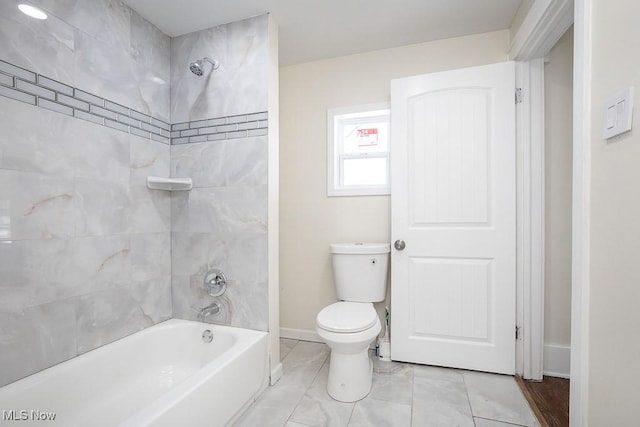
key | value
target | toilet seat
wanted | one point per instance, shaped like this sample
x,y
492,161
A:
x,y
347,317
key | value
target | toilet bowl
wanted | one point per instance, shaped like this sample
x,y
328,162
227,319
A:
x,y
349,328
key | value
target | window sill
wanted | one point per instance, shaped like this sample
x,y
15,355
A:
x,y
350,192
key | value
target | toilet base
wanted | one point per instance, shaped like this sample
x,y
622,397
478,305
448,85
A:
x,y
350,376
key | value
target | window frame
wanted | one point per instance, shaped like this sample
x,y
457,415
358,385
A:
x,y
336,156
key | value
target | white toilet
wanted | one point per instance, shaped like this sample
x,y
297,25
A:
x,y
349,326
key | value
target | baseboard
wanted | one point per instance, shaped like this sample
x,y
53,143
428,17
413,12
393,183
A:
x,y
276,374
557,361
300,334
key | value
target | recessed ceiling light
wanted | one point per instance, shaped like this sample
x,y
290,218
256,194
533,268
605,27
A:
x,y
32,11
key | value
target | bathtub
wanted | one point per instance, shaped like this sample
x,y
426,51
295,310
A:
x,y
165,375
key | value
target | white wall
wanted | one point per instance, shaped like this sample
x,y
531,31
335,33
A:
x,y
558,173
521,14
309,220
614,293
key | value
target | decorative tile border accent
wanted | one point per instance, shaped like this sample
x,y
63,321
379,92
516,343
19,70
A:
x,y
26,86
35,89
230,127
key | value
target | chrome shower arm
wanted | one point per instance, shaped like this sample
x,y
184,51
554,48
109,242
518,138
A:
x,y
213,62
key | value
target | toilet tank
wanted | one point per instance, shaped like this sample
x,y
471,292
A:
x,y
360,271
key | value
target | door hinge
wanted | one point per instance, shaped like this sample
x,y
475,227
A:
x,y
518,333
518,95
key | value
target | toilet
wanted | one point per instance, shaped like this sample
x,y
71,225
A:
x,y
352,324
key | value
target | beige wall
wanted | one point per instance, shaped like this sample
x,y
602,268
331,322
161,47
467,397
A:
x,y
558,79
309,220
614,294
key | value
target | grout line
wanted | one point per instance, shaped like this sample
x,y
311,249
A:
x,y
353,409
326,359
413,377
498,421
466,389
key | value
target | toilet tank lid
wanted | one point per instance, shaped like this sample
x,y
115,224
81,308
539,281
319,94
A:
x,y
360,248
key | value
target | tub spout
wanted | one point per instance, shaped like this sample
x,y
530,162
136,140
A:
x,y
210,310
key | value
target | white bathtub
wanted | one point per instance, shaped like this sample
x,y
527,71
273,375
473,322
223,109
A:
x,y
162,376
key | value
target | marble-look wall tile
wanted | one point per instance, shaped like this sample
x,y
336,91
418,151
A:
x,y
106,20
154,298
238,162
37,140
222,222
99,262
118,75
221,210
148,158
105,207
190,253
34,272
188,298
100,46
150,210
44,46
202,162
37,206
246,307
105,316
243,258
150,256
236,308
35,338
238,86
150,49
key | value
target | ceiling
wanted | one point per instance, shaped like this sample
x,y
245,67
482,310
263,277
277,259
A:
x,y
311,29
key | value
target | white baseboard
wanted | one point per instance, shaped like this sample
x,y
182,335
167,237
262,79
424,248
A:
x,y
276,374
300,334
557,360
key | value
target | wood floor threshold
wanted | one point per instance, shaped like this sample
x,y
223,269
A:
x,y
549,400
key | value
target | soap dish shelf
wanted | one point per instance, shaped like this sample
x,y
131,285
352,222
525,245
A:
x,y
169,184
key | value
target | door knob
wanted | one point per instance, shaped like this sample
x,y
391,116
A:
x,y
399,245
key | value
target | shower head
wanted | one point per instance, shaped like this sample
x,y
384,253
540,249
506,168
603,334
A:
x,y
197,67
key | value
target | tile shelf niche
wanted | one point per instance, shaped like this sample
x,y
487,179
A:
x,y
169,184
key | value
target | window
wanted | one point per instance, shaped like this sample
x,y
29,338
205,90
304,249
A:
x,y
358,150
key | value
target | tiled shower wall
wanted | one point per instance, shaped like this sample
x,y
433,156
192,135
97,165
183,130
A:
x,y
87,252
84,245
220,140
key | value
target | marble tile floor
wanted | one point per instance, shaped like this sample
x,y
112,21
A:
x,y
402,394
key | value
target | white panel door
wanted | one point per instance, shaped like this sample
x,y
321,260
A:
x,y
453,203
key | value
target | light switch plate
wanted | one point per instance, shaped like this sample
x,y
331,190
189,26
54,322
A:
x,y
618,114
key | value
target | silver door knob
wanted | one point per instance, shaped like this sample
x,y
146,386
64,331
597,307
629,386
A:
x,y
399,245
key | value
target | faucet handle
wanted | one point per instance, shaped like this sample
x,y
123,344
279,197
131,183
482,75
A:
x,y
215,282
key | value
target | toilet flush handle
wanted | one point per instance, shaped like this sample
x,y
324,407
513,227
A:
x,y
399,245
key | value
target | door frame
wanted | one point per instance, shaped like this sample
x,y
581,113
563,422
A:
x,y
581,246
545,22
530,196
